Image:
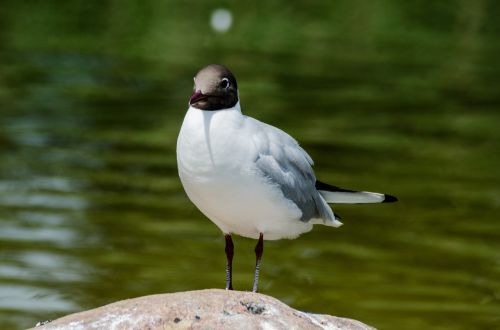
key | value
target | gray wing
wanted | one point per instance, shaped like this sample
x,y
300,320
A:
x,y
289,167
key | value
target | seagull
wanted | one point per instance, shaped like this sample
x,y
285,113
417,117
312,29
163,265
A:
x,y
250,178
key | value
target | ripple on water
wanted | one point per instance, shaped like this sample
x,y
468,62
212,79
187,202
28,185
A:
x,y
34,299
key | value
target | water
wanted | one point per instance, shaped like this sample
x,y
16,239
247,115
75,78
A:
x,y
395,97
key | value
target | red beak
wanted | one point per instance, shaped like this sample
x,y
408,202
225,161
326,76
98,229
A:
x,y
197,96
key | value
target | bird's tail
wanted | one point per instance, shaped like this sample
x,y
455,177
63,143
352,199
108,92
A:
x,y
337,195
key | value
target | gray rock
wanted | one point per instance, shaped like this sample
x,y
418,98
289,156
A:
x,y
204,309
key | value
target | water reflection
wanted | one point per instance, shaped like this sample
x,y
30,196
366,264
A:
x,y
34,299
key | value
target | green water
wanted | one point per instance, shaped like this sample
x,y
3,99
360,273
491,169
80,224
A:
x,y
400,97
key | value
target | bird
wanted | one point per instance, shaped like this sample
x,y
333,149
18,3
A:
x,y
249,178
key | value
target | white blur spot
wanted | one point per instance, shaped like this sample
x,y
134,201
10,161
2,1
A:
x,y
221,20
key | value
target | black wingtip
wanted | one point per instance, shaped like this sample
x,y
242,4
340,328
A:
x,y
389,199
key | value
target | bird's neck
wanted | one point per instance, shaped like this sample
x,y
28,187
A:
x,y
236,108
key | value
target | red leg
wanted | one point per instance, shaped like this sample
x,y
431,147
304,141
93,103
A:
x,y
229,265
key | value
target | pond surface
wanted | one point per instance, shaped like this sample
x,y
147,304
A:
x,y
394,97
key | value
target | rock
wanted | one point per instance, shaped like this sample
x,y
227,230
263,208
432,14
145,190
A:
x,y
204,309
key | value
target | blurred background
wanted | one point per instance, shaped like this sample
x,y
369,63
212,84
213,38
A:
x,y
394,96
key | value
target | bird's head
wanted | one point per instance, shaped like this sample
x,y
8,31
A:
x,y
215,88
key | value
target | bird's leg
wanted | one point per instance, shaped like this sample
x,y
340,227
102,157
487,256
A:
x,y
229,265
259,249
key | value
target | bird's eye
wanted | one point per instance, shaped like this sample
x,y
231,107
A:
x,y
225,83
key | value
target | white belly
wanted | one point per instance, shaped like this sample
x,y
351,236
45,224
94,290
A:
x,y
215,160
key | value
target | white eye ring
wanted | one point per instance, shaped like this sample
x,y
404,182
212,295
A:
x,y
227,83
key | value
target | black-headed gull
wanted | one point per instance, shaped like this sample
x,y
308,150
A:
x,y
248,177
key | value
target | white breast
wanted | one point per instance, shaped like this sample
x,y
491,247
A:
x,y
215,156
